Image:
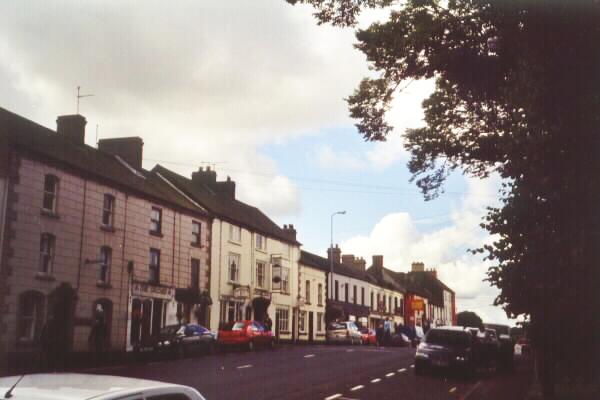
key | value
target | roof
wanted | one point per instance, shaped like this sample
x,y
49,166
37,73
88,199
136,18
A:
x,y
224,206
385,278
68,386
322,263
425,284
44,142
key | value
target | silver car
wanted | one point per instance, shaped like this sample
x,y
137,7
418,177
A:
x,y
343,332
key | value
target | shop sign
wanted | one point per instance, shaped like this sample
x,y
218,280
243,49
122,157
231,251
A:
x,y
241,292
148,290
418,305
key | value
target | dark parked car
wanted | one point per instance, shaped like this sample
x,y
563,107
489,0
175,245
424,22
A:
x,y
445,347
184,339
506,345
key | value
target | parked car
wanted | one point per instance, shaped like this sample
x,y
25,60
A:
x,y
248,334
86,386
445,347
506,349
368,336
343,332
399,340
184,339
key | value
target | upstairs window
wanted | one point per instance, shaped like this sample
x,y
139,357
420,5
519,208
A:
x,y
355,294
154,266
337,290
307,292
50,193
108,210
261,242
105,262
362,296
46,253
320,294
281,278
235,233
346,297
261,274
234,267
156,220
196,233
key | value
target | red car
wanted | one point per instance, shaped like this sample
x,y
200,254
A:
x,y
248,334
368,336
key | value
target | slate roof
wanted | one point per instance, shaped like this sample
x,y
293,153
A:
x,y
48,144
425,284
385,278
322,263
225,207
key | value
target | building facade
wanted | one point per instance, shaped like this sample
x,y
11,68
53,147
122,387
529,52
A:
x,y
312,289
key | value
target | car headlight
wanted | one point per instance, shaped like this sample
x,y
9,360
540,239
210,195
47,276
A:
x,y
421,354
461,358
166,343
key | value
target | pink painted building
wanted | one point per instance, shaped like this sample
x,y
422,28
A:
x,y
87,232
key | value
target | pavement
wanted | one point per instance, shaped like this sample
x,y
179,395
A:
x,y
324,373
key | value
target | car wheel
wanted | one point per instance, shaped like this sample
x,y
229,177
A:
x,y
180,351
250,345
419,369
272,344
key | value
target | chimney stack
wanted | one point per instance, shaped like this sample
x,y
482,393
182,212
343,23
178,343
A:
x,y
334,253
433,272
378,261
202,176
72,128
226,187
290,231
417,267
348,259
360,264
129,149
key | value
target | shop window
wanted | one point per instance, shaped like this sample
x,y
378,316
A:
x,y
282,316
30,316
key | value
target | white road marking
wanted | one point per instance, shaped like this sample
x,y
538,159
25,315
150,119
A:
x,y
412,366
349,350
390,374
375,380
309,356
402,370
355,388
333,396
453,390
245,366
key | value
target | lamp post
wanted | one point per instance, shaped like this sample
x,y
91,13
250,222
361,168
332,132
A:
x,y
331,255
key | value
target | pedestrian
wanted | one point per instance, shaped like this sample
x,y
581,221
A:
x,y
387,331
98,339
268,323
48,346
379,334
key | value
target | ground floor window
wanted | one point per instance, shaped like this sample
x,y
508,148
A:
x,y
319,321
282,315
302,321
30,316
231,311
147,317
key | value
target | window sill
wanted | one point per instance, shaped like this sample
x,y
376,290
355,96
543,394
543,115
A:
x,y
104,285
234,242
154,233
264,251
320,335
43,276
284,332
107,228
49,213
196,245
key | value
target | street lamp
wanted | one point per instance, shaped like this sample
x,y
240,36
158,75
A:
x,y
331,254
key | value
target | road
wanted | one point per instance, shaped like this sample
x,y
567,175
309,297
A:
x,y
320,372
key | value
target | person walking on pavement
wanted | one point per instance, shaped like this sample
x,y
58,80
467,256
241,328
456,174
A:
x,y
387,331
98,339
379,334
268,323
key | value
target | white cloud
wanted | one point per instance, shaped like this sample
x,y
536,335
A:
x,y
401,240
328,158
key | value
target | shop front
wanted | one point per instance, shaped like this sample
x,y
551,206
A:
x,y
151,308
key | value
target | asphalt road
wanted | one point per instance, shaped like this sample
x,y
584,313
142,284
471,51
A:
x,y
320,372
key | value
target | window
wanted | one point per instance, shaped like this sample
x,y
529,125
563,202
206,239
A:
x,y
355,294
281,278
389,308
395,304
108,210
307,289
346,298
234,267
195,266
231,311
156,220
235,233
50,193
362,296
261,242
372,302
319,322
30,315
337,290
154,266
320,294
378,302
196,233
282,316
302,321
105,261
261,274
46,253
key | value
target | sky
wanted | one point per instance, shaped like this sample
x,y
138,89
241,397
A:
x,y
254,89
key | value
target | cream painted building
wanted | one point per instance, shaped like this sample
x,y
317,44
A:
x,y
254,262
312,292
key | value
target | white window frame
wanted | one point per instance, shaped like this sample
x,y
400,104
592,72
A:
x,y
235,259
52,194
284,323
196,236
156,223
152,266
285,283
264,284
47,249
260,242
105,264
302,321
235,233
320,294
108,209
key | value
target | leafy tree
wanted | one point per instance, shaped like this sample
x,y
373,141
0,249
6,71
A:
x,y
468,318
517,94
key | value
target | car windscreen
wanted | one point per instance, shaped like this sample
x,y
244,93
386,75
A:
x,y
238,326
447,338
169,330
334,326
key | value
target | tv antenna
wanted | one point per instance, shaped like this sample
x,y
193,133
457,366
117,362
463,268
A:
x,y
80,96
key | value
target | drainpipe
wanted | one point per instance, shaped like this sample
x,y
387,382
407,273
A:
x,y
81,234
125,267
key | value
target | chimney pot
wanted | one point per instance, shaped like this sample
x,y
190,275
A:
x,y
378,261
72,128
290,231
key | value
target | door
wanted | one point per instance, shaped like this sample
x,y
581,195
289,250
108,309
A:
x,y
310,327
277,326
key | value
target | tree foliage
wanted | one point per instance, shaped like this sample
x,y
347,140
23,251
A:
x,y
517,94
468,318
